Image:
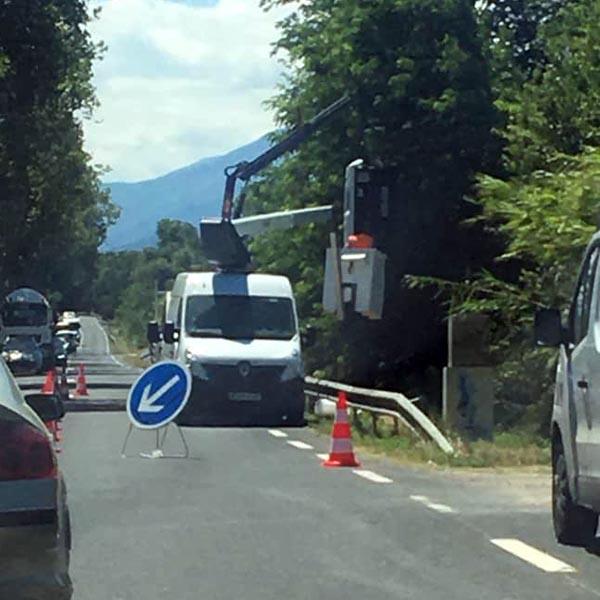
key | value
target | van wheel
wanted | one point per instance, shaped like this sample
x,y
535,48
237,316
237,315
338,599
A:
x,y
573,525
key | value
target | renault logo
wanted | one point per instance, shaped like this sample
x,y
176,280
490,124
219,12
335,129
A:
x,y
244,369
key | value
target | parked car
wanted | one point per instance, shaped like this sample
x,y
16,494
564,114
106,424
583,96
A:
x,y
575,426
35,535
23,355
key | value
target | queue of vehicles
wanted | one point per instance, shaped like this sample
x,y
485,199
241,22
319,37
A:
x,y
34,515
32,337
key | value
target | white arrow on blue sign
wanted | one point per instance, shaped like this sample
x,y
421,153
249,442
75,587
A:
x,y
159,395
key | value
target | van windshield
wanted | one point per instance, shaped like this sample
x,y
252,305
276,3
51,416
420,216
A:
x,y
240,317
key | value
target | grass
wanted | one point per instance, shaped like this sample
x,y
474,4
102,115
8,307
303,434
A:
x,y
507,449
123,349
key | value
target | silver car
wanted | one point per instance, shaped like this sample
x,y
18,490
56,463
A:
x,y
35,537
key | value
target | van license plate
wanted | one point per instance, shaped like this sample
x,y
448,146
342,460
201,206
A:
x,y
244,396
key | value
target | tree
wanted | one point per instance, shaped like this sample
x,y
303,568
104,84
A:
x,y
127,283
422,103
547,205
514,25
54,211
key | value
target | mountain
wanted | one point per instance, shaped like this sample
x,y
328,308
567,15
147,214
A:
x,y
187,194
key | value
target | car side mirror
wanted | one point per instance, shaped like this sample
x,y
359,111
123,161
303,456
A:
x,y
308,336
47,407
153,332
548,328
170,333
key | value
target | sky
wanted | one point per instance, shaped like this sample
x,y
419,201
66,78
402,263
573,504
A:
x,y
181,80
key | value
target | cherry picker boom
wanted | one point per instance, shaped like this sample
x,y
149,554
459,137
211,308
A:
x,y
221,239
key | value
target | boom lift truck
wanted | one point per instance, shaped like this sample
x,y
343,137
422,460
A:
x,y
238,331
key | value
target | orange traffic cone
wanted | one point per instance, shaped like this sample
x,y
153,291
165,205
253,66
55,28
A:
x,y
49,383
341,454
81,389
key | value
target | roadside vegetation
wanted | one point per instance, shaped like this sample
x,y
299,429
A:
x,y
514,448
53,211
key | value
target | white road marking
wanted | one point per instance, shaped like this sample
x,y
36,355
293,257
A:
x,y
278,434
422,499
107,344
322,456
532,555
371,476
300,445
441,508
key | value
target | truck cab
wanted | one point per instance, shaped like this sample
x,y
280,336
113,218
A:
x,y
238,334
575,425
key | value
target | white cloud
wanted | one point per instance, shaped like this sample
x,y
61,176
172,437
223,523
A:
x,y
179,82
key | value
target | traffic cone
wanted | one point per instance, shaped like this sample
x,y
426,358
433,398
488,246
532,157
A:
x,y
49,383
341,454
81,389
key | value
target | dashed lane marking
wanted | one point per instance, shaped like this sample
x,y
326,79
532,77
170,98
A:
x,y
322,456
278,434
441,508
300,445
371,476
532,555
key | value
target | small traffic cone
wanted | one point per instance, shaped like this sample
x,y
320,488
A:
x,y
341,454
81,389
49,383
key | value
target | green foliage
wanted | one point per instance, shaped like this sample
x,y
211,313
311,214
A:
x,y
128,283
421,101
547,207
54,212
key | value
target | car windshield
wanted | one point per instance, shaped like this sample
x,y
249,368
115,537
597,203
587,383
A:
x,y
240,317
24,314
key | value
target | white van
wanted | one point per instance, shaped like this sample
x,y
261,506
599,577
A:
x,y
575,426
238,333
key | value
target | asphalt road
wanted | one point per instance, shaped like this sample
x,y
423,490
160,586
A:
x,y
107,378
250,515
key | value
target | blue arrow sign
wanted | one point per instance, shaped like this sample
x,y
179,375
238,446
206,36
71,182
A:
x,y
159,395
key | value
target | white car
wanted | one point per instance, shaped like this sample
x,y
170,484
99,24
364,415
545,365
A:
x,y
35,535
575,427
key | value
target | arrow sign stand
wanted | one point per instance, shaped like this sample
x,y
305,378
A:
x,y
159,394
158,451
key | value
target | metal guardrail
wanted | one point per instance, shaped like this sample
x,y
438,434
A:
x,y
383,402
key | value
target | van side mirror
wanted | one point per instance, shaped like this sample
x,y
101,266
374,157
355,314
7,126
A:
x,y
170,333
152,333
308,336
47,407
548,328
